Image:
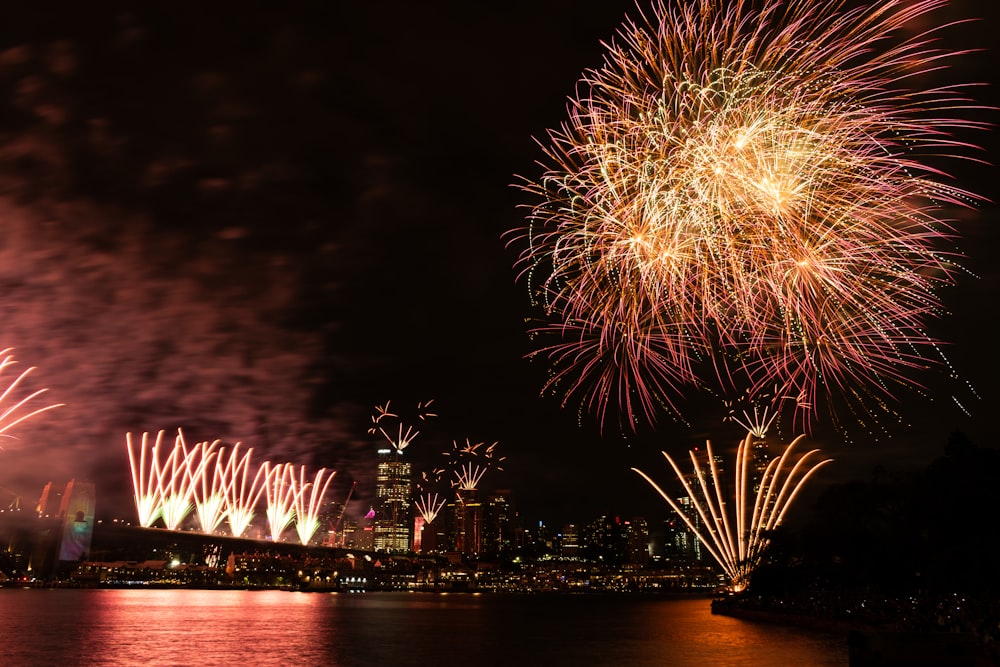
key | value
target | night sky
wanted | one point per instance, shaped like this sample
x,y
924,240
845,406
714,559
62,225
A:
x,y
258,223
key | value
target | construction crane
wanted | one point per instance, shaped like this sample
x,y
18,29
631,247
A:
x,y
335,528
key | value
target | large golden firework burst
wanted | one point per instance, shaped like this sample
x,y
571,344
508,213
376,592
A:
x,y
747,188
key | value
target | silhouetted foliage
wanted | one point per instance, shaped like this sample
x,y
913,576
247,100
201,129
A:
x,y
933,530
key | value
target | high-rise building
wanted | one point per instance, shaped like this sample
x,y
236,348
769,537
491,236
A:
x,y
393,491
686,544
467,522
705,468
637,536
418,533
604,539
569,545
760,457
497,524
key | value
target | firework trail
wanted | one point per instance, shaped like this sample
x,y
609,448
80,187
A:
x,y
145,477
429,505
221,487
747,195
209,487
757,414
307,509
282,491
737,539
468,475
429,502
384,420
424,410
472,461
14,415
241,493
177,482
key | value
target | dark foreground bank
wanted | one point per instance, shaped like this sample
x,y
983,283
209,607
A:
x,y
943,631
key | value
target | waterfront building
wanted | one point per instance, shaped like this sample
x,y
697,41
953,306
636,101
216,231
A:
x,y
637,538
418,534
569,545
467,522
759,458
604,539
681,542
497,522
393,491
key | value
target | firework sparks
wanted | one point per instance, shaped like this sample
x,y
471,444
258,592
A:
x,y
429,505
381,412
14,415
473,460
424,410
468,475
736,542
384,420
209,487
242,493
307,508
282,491
757,416
177,482
145,477
744,187
429,502
221,487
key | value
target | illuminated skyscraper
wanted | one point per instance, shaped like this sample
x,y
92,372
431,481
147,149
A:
x,y
468,522
497,522
393,491
605,539
685,543
637,536
569,546
760,457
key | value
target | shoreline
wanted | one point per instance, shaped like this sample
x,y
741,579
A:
x,y
808,621
666,595
883,643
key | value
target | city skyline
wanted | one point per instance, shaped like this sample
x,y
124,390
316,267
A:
x,y
256,238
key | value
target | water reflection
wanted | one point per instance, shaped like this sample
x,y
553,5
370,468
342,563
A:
x,y
188,627
688,634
